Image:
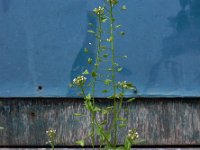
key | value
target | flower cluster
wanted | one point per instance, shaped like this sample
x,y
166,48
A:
x,y
126,85
51,133
99,10
123,84
133,135
79,81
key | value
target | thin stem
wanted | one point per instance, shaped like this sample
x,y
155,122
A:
x,y
107,140
83,92
93,114
113,71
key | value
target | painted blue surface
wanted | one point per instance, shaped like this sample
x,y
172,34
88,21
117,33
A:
x,y
42,42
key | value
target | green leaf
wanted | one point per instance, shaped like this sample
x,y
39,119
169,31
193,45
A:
x,y
96,109
125,56
90,24
122,125
111,97
96,65
103,47
104,20
81,143
119,69
89,60
91,31
78,115
88,97
130,86
104,122
104,91
104,111
109,107
116,64
99,59
86,72
120,148
85,50
127,144
94,74
107,82
130,100
109,69
118,26
122,119
110,39
88,106
105,55
123,7
122,33
108,135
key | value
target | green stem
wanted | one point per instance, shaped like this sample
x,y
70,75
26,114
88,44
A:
x,y
52,144
107,140
83,92
113,72
95,78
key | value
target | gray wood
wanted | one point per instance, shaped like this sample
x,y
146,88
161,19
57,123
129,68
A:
x,y
158,121
97,149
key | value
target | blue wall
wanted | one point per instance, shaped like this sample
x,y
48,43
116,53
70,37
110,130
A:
x,y
42,42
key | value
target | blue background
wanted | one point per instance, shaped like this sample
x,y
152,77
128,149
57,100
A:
x,y
42,42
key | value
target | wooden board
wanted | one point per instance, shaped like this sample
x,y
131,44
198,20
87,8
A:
x,y
159,121
97,149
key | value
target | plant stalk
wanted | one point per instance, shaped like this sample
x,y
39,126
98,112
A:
x,y
113,71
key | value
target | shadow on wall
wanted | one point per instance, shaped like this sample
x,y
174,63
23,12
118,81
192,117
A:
x,y
81,61
184,40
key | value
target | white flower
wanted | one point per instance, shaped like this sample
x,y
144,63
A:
x,y
132,134
99,10
79,81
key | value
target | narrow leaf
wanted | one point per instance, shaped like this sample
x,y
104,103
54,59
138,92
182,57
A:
x,y
91,31
78,115
81,143
122,125
104,20
118,26
125,56
130,100
120,69
89,60
109,69
90,24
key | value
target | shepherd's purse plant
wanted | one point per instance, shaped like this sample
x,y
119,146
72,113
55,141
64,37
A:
x,y
101,133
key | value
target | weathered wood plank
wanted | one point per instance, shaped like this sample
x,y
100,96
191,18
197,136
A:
x,y
185,148
158,121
